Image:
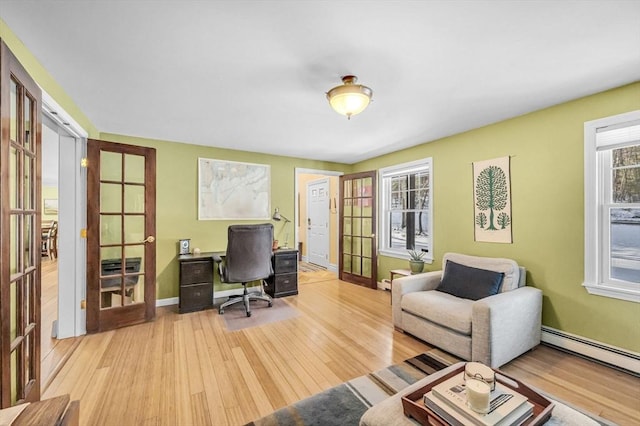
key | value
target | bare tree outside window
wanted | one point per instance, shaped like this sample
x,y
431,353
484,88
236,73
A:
x,y
408,212
624,226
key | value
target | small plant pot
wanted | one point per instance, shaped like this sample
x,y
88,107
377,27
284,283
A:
x,y
416,266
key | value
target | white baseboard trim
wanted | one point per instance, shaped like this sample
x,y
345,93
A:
x,y
167,302
618,357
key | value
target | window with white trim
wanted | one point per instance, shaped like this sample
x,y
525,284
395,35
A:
x,y
406,213
612,206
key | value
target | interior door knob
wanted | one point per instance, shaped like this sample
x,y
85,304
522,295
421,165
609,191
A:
x,y
149,239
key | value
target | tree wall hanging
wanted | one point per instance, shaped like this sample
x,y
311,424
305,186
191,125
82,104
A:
x,y
492,200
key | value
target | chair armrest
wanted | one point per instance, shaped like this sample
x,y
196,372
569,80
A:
x,y
506,325
411,284
220,261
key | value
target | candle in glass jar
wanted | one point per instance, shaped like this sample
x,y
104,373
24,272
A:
x,y
478,395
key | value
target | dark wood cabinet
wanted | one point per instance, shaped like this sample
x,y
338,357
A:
x,y
284,281
196,282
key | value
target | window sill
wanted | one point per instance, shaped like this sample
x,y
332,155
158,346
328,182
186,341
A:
x,y
388,253
613,292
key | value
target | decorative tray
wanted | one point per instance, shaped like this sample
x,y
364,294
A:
x,y
413,406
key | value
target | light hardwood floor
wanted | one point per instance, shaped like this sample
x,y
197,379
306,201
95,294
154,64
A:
x,y
53,352
188,370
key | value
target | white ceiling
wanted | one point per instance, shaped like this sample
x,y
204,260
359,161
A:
x,y
252,75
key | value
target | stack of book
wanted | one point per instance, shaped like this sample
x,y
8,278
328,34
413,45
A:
x,y
448,400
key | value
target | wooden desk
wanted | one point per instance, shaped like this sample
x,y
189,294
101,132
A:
x,y
196,281
284,281
197,276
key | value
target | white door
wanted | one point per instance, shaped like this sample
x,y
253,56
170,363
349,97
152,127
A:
x,y
318,222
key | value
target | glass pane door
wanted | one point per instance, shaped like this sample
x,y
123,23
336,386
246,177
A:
x,y
20,250
121,229
357,229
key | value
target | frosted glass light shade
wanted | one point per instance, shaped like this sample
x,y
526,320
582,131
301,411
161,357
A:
x,y
349,98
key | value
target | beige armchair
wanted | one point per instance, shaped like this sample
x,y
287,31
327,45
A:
x,y
492,330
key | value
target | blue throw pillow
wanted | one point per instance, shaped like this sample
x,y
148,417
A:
x,y
469,283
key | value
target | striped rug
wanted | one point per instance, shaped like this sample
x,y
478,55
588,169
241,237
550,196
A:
x,y
346,403
309,267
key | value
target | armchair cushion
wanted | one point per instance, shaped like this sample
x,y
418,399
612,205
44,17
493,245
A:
x,y
440,308
468,282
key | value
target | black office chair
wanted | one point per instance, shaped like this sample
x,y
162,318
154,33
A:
x,y
248,258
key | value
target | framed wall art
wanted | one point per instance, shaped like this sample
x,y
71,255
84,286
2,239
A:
x,y
492,200
230,190
50,206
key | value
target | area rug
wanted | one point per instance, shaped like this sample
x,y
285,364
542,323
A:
x,y
309,267
235,317
344,405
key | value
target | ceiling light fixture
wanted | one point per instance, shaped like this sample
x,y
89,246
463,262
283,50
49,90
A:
x,y
349,98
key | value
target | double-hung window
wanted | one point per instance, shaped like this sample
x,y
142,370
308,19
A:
x,y
406,209
612,206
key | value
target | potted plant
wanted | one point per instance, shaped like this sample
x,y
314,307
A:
x,y
416,264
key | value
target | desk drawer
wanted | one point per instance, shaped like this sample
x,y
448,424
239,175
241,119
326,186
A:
x,y
284,263
196,297
282,285
200,271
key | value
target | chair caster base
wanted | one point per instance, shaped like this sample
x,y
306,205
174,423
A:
x,y
248,314
270,304
221,311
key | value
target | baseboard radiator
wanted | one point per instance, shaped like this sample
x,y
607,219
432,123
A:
x,y
612,356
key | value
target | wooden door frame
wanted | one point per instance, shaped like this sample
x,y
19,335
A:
x,y
357,279
72,190
126,315
297,188
9,65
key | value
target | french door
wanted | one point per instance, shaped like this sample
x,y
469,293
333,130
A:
x,y
20,235
358,250
121,258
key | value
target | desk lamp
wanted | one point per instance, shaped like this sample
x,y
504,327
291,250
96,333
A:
x,y
278,217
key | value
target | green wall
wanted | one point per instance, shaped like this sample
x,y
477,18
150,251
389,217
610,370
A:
x,y
177,200
547,188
